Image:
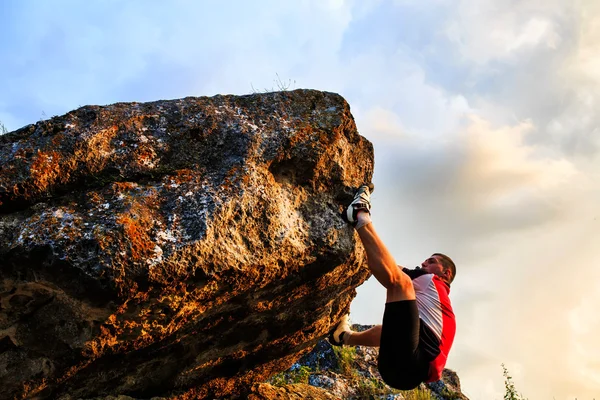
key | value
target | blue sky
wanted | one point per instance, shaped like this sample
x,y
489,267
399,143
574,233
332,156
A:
x,y
483,114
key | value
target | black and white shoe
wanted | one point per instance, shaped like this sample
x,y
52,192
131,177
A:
x,y
361,202
336,337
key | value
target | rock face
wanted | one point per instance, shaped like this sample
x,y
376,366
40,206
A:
x,y
182,248
294,391
348,373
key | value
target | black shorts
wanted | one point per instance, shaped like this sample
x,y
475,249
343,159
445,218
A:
x,y
402,364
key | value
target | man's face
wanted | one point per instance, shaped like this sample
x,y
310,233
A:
x,y
433,265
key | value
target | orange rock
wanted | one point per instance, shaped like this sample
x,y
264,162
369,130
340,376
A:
x,y
188,247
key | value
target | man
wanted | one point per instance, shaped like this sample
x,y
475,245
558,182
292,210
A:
x,y
418,323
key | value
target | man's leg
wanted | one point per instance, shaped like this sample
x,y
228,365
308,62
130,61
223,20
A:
x,y
379,259
399,333
383,266
381,263
399,362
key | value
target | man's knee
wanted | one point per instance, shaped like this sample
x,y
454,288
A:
x,y
400,288
404,378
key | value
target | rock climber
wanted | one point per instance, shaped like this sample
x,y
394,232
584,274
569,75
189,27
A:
x,y
418,325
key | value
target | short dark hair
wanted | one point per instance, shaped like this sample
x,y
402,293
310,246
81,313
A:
x,y
448,264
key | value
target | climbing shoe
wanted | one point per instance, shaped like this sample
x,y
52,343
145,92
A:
x,y
336,337
361,202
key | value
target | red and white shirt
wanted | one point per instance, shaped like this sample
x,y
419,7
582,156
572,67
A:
x,y
438,325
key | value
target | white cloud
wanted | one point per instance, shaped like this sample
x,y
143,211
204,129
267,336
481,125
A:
x,y
535,60
483,179
394,91
486,31
383,124
587,59
500,171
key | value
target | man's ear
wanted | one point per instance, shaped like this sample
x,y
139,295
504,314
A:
x,y
447,274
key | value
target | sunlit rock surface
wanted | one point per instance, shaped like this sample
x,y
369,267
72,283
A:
x,y
183,248
295,391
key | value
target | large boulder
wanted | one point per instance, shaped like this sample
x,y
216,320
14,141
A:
x,y
183,248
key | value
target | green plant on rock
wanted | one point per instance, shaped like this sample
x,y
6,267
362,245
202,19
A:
x,y
3,129
278,379
345,356
302,374
295,375
282,85
449,395
372,388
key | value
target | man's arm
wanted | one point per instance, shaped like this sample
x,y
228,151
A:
x,y
371,337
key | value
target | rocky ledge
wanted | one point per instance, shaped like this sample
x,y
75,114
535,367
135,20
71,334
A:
x,y
348,373
185,248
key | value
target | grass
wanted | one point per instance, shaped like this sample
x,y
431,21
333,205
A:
x,y
511,392
282,85
298,374
417,394
370,388
345,356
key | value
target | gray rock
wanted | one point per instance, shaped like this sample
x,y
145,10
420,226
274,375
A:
x,y
191,246
322,381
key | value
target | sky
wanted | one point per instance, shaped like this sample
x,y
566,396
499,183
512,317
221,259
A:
x,y
483,114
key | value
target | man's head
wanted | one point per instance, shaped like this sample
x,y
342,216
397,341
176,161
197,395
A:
x,y
440,265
